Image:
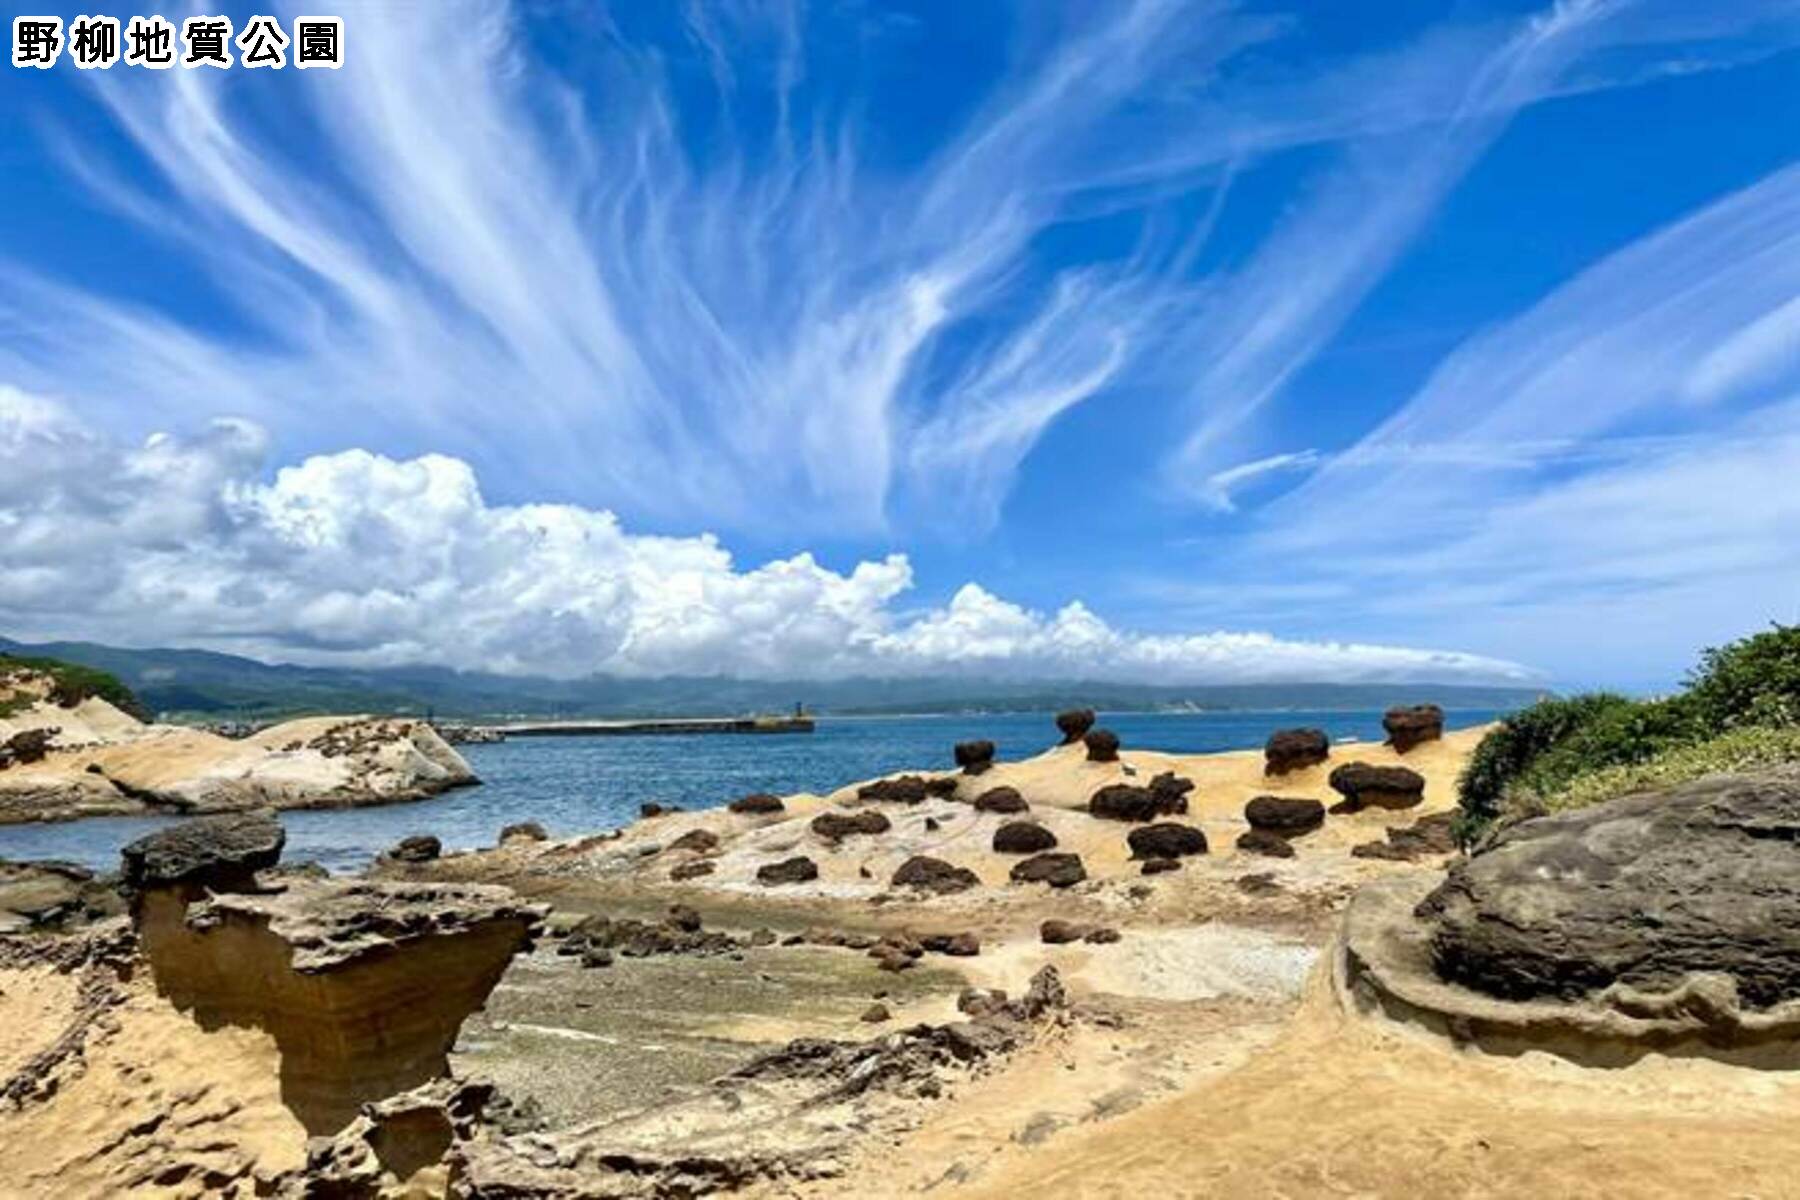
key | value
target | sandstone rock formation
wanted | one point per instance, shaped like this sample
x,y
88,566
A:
x,y
1647,892
974,758
1074,724
1166,839
1057,869
53,895
1102,745
1283,815
362,985
934,875
1001,800
835,826
1364,786
1022,837
1294,750
90,758
1413,726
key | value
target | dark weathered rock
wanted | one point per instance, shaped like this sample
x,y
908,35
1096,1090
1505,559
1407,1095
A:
x,y
684,918
1074,724
1295,749
419,848
1128,802
26,747
221,854
876,1013
934,875
653,808
1166,839
1648,891
1366,786
1102,745
956,945
757,804
1001,800
941,786
931,825
1428,836
1159,866
1284,815
836,826
1105,935
1022,837
798,869
1409,727
979,1002
1261,884
700,841
692,870
1171,792
1057,869
974,757
1265,842
529,831
1057,932
903,789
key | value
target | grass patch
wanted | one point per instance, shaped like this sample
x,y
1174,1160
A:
x,y
1748,749
70,685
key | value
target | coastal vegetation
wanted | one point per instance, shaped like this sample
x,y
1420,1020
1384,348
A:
x,y
70,684
1740,710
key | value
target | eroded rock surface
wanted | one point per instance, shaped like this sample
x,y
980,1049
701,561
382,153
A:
x,y
1644,891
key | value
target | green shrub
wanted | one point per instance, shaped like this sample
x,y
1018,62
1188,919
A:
x,y
1507,752
1755,681
1748,748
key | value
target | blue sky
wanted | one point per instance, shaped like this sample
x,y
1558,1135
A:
x,y
1168,340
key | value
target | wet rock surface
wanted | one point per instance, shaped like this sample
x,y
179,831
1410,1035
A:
x,y
1647,891
1294,750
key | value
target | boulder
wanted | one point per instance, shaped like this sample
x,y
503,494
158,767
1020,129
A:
x,y
1295,749
1265,842
956,945
876,1013
1288,816
1074,724
1171,791
654,808
798,869
902,789
1166,839
1128,802
757,804
1365,786
1001,800
1102,745
220,854
419,848
1412,726
701,841
1158,866
1022,837
974,757
1057,932
1057,869
934,875
835,826
529,831
1649,891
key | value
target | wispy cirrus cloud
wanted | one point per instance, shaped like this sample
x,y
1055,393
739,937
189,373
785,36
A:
x,y
679,268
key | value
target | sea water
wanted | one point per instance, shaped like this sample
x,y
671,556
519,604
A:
x,y
578,785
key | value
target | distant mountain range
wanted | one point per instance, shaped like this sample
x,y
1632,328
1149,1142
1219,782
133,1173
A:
x,y
205,684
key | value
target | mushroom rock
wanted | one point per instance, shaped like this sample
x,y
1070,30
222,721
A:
x,y
1023,837
1102,745
1284,815
1295,749
974,757
1074,724
1056,869
362,985
1412,726
1001,800
934,875
1364,786
835,826
1166,840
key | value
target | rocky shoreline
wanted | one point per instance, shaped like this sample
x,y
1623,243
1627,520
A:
x,y
1211,967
